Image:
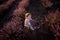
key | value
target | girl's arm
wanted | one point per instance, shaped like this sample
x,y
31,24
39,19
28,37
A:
x,y
30,26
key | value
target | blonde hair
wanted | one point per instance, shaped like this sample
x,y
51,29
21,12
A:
x,y
27,14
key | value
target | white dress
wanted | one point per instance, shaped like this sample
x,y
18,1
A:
x,y
28,24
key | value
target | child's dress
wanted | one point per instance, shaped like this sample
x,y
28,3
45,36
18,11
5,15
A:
x,y
29,23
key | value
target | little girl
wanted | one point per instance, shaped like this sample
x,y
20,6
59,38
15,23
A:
x,y
28,21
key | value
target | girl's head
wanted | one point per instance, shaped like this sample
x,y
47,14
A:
x,y
27,16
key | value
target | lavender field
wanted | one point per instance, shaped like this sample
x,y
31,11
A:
x,y
45,12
